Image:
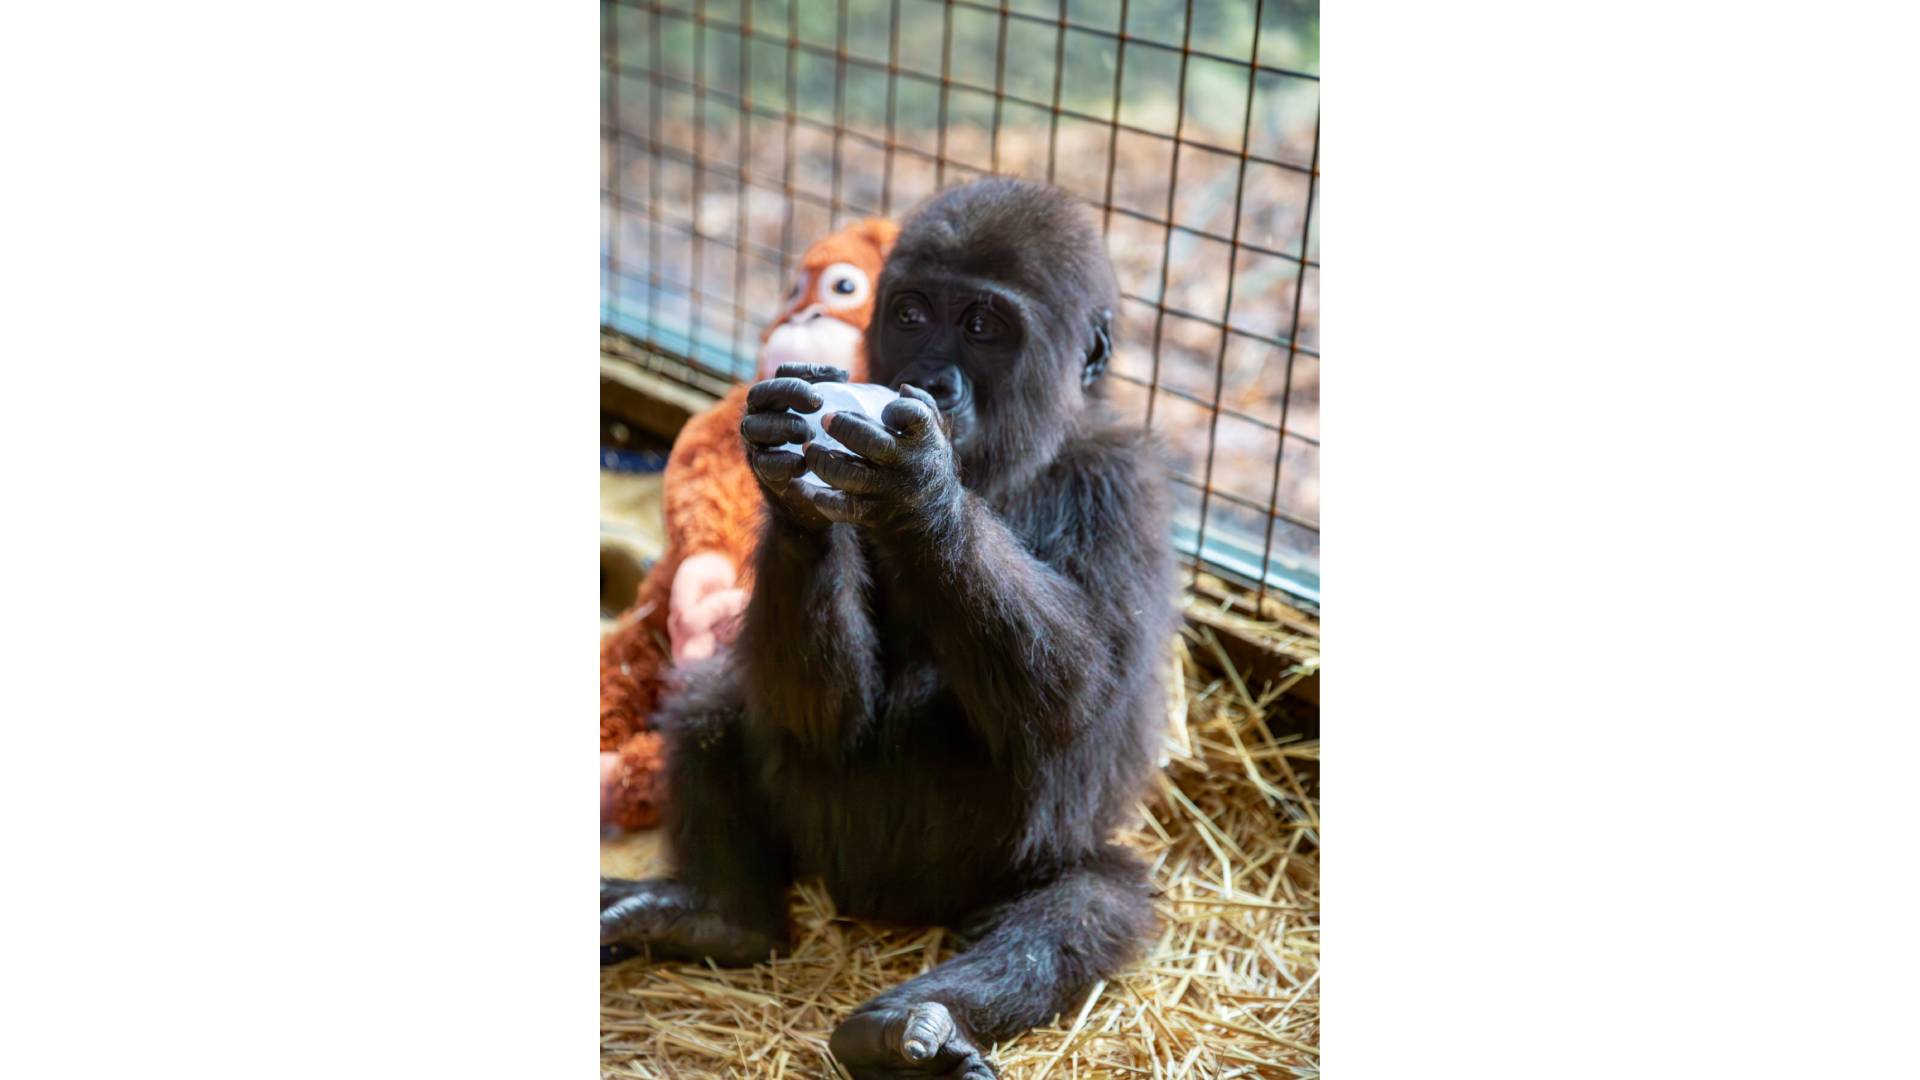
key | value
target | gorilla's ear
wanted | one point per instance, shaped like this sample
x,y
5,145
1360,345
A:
x,y
1099,351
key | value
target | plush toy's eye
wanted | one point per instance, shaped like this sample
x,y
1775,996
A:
x,y
843,285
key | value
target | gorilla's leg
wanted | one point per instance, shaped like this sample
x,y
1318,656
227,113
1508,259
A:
x,y
668,920
1034,957
727,900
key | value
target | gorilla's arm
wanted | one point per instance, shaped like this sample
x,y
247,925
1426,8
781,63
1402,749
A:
x,y
1015,637
1031,645
810,645
808,639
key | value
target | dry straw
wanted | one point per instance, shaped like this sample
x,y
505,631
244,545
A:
x,y
1229,988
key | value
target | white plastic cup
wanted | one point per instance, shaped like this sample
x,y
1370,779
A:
x,y
867,399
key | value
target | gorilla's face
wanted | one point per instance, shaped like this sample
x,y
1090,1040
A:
x,y
994,301
990,302
958,337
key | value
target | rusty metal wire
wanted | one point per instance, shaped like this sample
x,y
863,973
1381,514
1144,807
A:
x,y
734,132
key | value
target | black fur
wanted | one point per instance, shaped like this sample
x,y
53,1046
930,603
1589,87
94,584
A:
x,y
947,691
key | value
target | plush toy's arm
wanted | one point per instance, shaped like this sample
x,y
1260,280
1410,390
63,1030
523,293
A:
x,y
712,502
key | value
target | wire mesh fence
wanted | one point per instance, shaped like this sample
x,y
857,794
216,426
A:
x,y
736,132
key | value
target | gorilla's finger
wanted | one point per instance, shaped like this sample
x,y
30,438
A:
x,y
776,467
612,889
780,394
864,437
835,505
917,394
945,420
911,417
844,471
811,372
773,428
632,915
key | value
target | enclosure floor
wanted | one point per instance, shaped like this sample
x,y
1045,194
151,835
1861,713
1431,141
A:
x,y
633,855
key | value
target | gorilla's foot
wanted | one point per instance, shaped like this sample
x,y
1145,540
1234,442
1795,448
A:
x,y
664,919
897,1042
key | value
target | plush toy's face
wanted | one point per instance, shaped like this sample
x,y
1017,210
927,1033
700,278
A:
x,y
826,311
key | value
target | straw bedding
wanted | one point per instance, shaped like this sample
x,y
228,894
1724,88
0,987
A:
x,y
1229,988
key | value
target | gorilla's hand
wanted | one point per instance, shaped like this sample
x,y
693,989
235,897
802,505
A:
x,y
904,473
768,425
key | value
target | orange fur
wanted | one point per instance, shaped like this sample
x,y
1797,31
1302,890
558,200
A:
x,y
712,503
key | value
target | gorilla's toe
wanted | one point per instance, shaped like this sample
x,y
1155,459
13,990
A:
x,y
893,1042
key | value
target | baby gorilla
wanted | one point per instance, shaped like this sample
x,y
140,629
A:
x,y
946,693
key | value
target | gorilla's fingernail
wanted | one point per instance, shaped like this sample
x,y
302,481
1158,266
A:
x,y
917,1050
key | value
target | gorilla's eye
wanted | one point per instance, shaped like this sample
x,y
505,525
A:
x,y
908,312
981,324
843,285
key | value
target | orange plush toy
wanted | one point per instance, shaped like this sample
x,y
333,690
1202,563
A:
x,y
694,595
